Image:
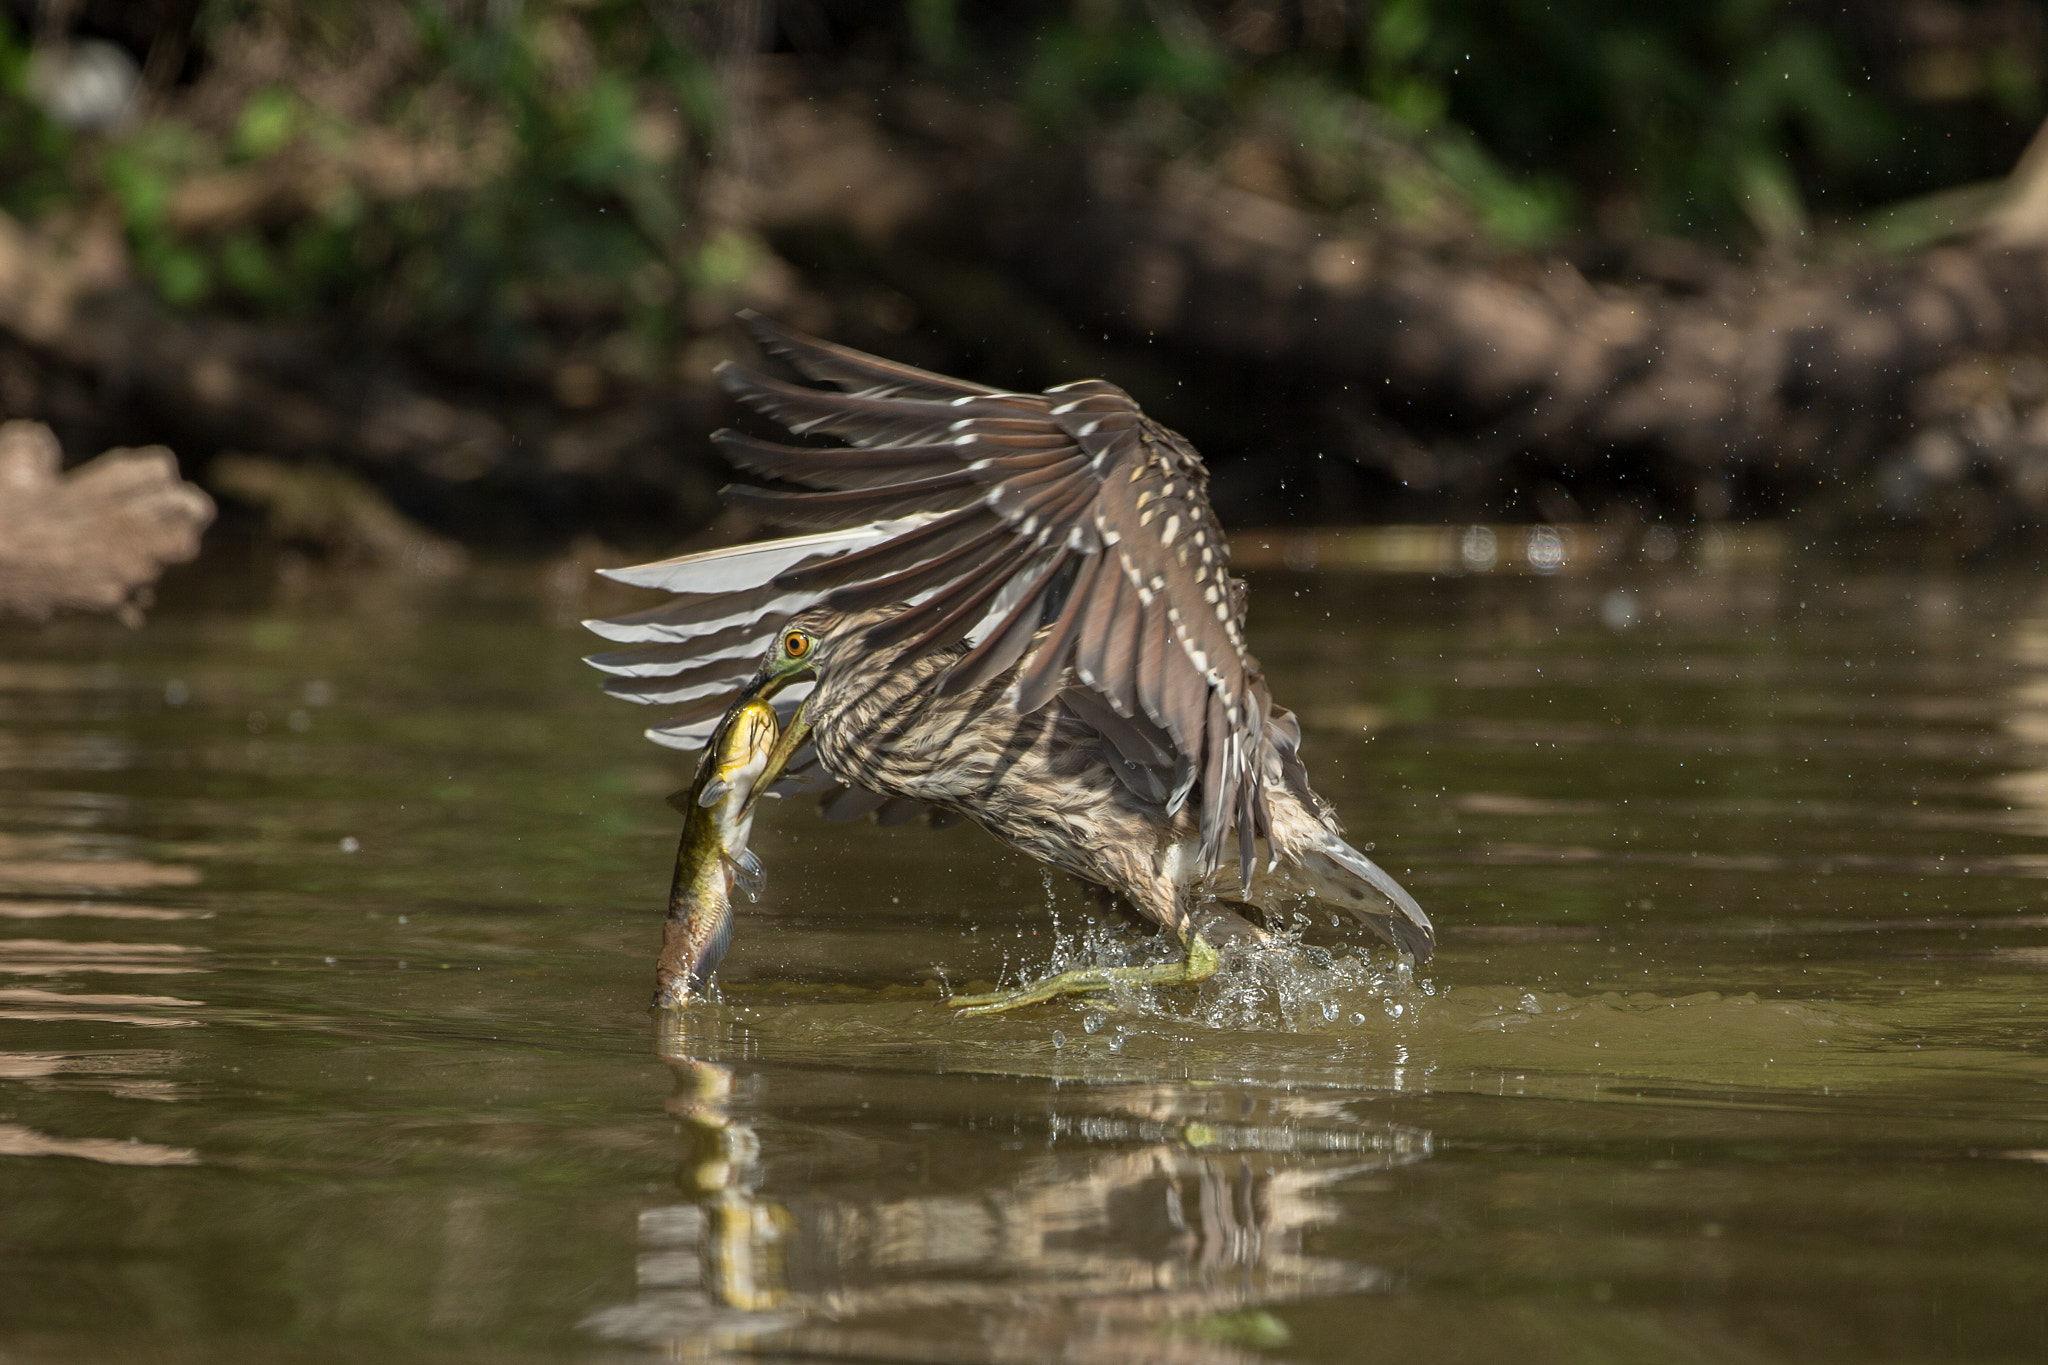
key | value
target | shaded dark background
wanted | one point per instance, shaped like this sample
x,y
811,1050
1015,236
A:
x,y
482,257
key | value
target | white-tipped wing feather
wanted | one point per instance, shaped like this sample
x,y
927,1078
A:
x,y
995,515
1068,509
1063,535
739,568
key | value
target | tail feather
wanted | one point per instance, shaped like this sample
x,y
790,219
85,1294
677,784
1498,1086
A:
x,y
1341,875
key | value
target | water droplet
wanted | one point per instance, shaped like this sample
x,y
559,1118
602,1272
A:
x,y
1618,609
1479,549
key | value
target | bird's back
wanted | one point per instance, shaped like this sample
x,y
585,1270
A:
x,y
1052,784
1045,781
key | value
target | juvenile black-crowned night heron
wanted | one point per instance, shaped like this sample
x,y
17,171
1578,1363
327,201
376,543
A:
x,y
1010,607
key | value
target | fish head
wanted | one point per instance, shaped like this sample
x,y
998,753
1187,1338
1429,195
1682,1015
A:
x,y
744,745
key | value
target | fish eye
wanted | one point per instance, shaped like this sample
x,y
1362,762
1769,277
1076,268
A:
x,y
796,644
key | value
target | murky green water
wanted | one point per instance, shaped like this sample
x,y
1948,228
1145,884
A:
x,y
327,924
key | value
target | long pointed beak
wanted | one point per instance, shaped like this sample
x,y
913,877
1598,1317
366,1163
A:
x,y
765,684
761,686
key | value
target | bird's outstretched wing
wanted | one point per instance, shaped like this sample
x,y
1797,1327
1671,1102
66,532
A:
x,y
1065,534
697,649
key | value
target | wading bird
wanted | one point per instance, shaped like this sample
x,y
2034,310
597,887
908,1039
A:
x,y
1015,608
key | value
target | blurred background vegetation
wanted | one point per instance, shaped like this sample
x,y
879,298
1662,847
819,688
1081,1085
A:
x,y
491,248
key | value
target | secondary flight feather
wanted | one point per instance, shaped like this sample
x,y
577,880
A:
x,y
1062,533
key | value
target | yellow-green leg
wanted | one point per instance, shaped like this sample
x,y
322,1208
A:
x,y
1199,965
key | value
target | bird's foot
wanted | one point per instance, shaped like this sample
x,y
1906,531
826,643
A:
x,y
1199,965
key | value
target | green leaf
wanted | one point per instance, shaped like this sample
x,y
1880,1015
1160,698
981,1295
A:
x,y
270,119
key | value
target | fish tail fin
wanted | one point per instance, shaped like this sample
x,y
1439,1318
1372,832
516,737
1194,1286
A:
x,y
689,958
707,964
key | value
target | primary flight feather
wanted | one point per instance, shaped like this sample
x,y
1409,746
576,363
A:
x,y
1033,565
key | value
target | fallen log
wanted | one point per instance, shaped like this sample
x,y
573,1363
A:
x,y
1462,369
1808,365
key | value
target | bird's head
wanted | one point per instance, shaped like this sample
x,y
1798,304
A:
x,y
816,642
794,656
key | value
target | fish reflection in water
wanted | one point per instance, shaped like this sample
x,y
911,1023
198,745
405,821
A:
x,y
1160,1222
739,1236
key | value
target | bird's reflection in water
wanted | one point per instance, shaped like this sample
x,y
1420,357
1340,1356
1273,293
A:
x,y
1132,1223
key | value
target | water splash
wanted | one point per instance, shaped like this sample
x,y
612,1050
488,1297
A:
x,y
1283,985
1293,986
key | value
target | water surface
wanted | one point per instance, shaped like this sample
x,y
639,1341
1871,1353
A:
x,y
327,922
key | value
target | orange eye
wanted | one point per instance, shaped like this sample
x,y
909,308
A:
x,y
796,644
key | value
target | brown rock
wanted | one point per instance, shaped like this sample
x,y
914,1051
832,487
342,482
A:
x,y
93,540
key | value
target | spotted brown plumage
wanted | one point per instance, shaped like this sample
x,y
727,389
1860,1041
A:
x,y
1054,783
1056,550
1093,519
